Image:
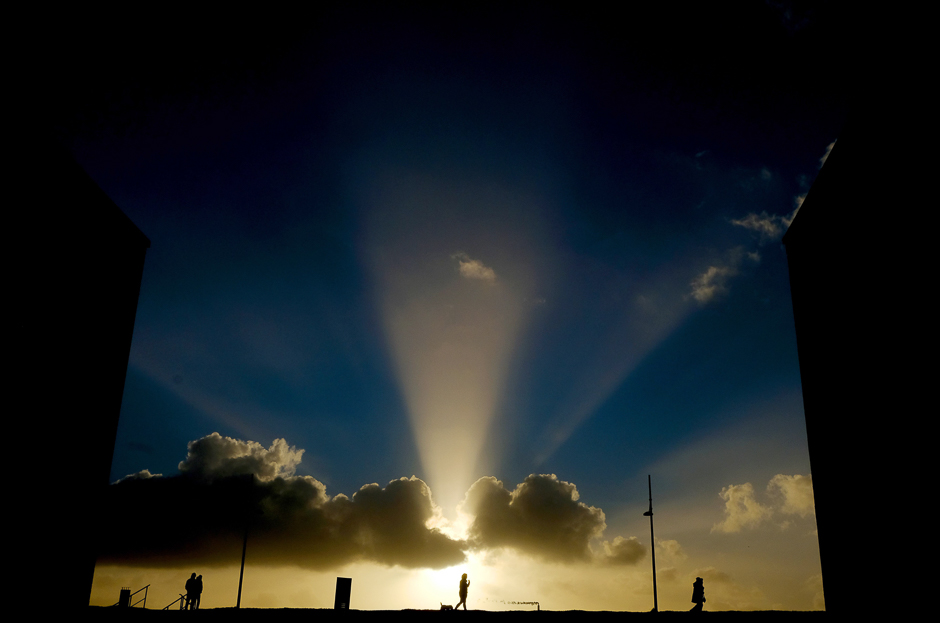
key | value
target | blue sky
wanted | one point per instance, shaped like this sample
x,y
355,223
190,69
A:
x,y
470,251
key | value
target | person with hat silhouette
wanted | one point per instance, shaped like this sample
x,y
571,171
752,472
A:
x,y
698,595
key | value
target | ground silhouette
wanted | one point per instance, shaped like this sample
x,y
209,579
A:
x,y
292,615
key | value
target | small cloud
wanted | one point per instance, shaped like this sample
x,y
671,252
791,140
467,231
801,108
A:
x,y
741,509
825,156
797,203
711,283
671,548
765,174
668,574
623,551
474,269
769,226
141,475
797,493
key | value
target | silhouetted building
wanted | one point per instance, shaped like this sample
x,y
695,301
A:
x,y
852,305
76,269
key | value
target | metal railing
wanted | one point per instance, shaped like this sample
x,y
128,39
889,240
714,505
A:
x,y
128,598
181,601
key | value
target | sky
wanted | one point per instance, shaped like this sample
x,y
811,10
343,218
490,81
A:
x,y
440,293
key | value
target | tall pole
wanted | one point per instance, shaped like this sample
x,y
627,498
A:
x,y
649,514
241,574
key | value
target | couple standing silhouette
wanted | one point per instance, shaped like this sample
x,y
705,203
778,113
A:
x,y
193,592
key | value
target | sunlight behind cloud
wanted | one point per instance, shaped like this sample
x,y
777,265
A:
x,y
452,274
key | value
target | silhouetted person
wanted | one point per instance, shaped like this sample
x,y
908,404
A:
x,y
190,591
198,594
464,585
698,595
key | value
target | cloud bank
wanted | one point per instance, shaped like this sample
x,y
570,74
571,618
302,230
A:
x,y
225,486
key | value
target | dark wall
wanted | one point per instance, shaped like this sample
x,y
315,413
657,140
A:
x,y
76,268
852,260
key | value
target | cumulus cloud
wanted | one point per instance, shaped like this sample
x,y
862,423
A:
x,y
216,456
797,494
623,551
741,509
790,495
226,486
541,517
474,269
671,549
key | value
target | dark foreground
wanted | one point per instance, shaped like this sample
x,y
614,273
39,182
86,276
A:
x,y
311,615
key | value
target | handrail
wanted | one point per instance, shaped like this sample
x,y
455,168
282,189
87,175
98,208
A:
x,y
144,600
182,601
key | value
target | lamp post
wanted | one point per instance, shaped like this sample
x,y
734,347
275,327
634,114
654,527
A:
x,y
241,574
649,514
251,513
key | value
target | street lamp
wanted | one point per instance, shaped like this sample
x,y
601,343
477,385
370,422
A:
x,y
649,514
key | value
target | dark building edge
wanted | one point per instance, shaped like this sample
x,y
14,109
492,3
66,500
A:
x,y
77,264
856,257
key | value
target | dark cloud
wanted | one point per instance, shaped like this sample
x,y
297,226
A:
x,y
216,456
199,516
622,551
541,517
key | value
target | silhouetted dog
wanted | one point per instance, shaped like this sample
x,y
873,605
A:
x,y
443,607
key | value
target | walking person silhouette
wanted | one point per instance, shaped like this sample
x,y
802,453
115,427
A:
x,y
464,585
698,595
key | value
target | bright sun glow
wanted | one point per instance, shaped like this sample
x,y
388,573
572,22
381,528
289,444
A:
x,y
452,322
